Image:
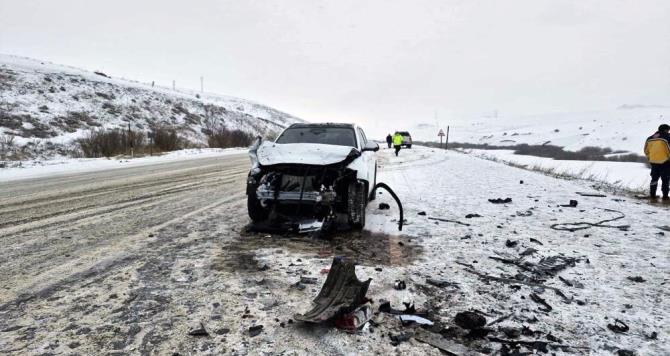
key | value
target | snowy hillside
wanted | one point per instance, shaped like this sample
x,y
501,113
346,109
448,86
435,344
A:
x,y
47,106
624,128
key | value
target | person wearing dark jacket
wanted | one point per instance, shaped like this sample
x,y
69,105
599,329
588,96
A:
x,y
657,150
389,140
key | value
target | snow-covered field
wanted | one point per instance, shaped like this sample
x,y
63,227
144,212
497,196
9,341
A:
x,y
624,128
628,175
63,165
47,106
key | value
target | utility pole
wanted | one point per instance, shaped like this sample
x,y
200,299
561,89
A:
x,y
130,141
446,144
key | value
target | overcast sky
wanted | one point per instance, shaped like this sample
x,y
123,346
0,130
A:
x,y
377,62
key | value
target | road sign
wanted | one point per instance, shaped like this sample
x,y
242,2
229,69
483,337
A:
x,y
441,133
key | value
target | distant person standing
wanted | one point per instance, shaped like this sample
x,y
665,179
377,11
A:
x,y
389,140
397,142
657,150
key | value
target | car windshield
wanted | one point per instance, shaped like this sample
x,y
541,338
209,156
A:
x,y
340,136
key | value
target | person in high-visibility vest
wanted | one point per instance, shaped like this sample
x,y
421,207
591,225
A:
x,y
397,142
657,150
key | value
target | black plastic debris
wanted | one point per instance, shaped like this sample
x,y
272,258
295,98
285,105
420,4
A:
x,y
510,243
618,326
524,213
510,332
255,330
399,338
500,201
385,307
470,216
308,280
623,352
384,206
537,299
422,213
469,320
571,204
447,346
399,285
637,279
536,241
341,293
198,330
529,251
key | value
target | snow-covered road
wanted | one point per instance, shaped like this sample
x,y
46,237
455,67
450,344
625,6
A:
x,y
107,262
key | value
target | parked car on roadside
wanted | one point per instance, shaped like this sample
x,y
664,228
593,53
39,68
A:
x,y
406,139
313,171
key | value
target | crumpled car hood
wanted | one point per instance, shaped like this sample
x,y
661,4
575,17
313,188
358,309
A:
x,y
270,153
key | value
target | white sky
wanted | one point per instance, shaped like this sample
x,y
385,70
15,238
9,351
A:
x,y
382,63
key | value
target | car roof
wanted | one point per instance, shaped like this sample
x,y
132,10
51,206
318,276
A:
x,y
324,124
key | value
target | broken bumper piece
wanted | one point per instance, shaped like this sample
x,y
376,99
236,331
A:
x,y
341,293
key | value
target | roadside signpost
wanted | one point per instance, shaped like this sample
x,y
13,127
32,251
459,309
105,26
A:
x,y
441,134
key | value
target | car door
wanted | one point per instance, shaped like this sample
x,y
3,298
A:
x,y
369,159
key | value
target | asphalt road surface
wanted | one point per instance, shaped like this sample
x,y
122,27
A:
x,y
63,237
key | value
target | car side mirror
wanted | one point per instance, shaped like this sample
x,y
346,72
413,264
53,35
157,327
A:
x,y
371,146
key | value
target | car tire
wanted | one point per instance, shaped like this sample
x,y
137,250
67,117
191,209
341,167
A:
x,y
409,146
257,212
356,203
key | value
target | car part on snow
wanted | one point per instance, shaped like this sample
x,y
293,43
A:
x,y
255,330
470,216
308,280
572,204
537,299
341,293
400,338
399,285
637,279
355,320
500,201
618,326
469,320
407,319
442,343
510,243
397,200
582,225
198,329
384,206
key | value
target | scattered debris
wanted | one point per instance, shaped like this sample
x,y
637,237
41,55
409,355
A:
x,y
448,346
352,322
571,283
441,283
447,220
664,228
500,201
502,318
470,216
469,320
623,352
407,319
255,330
618,326
510,332
529,251
536,241
400,338
198,330
572,204
308,280
510,243
575,226
399,285
524,213
384,206
341,293
422,213
637,279
596,195
537,299
652,336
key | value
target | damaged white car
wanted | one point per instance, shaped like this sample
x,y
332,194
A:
x,y
311,176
